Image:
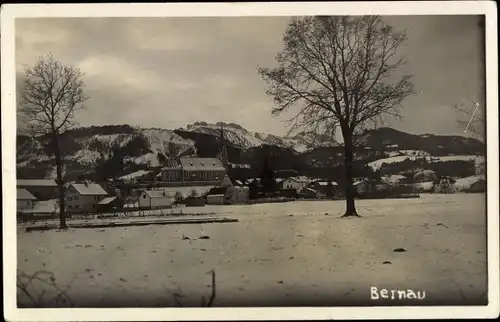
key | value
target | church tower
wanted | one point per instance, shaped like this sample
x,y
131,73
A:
x,y
222,155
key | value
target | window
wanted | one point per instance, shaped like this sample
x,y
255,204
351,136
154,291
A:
x,y
93,206
75,198
143,196
77,206
70,198
70,207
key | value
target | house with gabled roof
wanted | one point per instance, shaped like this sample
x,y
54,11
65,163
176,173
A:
x,y
202,169
83,197
296,183
189,170
25,200
154,199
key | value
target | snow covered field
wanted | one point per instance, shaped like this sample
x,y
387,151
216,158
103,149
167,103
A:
x,y
297,253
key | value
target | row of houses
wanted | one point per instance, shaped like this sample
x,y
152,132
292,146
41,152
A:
x,y
85,197
89,197
92,197
369,186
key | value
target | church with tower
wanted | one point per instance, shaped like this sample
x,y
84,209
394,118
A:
x,y
198,170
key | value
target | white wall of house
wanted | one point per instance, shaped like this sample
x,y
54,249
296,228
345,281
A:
x,y
75,202
293,184
146,202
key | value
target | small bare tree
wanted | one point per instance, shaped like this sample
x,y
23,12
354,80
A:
x,y
341,70
50,95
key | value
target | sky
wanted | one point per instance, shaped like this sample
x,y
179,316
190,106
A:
x,y
169,72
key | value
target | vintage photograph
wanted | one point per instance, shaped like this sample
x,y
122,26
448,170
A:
x,y
251,161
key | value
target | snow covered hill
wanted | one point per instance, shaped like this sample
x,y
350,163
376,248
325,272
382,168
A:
x,y
239,136
84,150
376,165
118,150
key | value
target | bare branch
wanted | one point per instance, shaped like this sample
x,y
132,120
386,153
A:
x,y
50,95
339,71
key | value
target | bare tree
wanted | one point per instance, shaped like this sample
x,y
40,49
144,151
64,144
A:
x,y
50,95
341,71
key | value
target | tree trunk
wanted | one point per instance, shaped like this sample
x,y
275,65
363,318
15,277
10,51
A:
x,y
60,183
348,162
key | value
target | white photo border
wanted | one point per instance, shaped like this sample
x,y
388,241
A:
x,y
8,116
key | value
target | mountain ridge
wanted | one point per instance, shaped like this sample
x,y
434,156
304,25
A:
x,y
113,150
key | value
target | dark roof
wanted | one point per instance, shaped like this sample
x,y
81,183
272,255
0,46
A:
x,y
202,164
36,183
171,164
156,193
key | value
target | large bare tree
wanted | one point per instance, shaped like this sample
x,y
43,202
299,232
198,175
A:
x,y
340,71
49,96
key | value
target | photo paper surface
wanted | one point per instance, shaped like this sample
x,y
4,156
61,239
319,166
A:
x,y
250,161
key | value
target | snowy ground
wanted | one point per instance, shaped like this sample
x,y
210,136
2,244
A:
x,y
297,253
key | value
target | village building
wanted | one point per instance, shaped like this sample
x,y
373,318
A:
x,y
325,188
25,200
297,184
171,171
131,202
154,199
190,170
370,187
228,193
279,182
83,197
42,189
110,204
444,185
202,169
